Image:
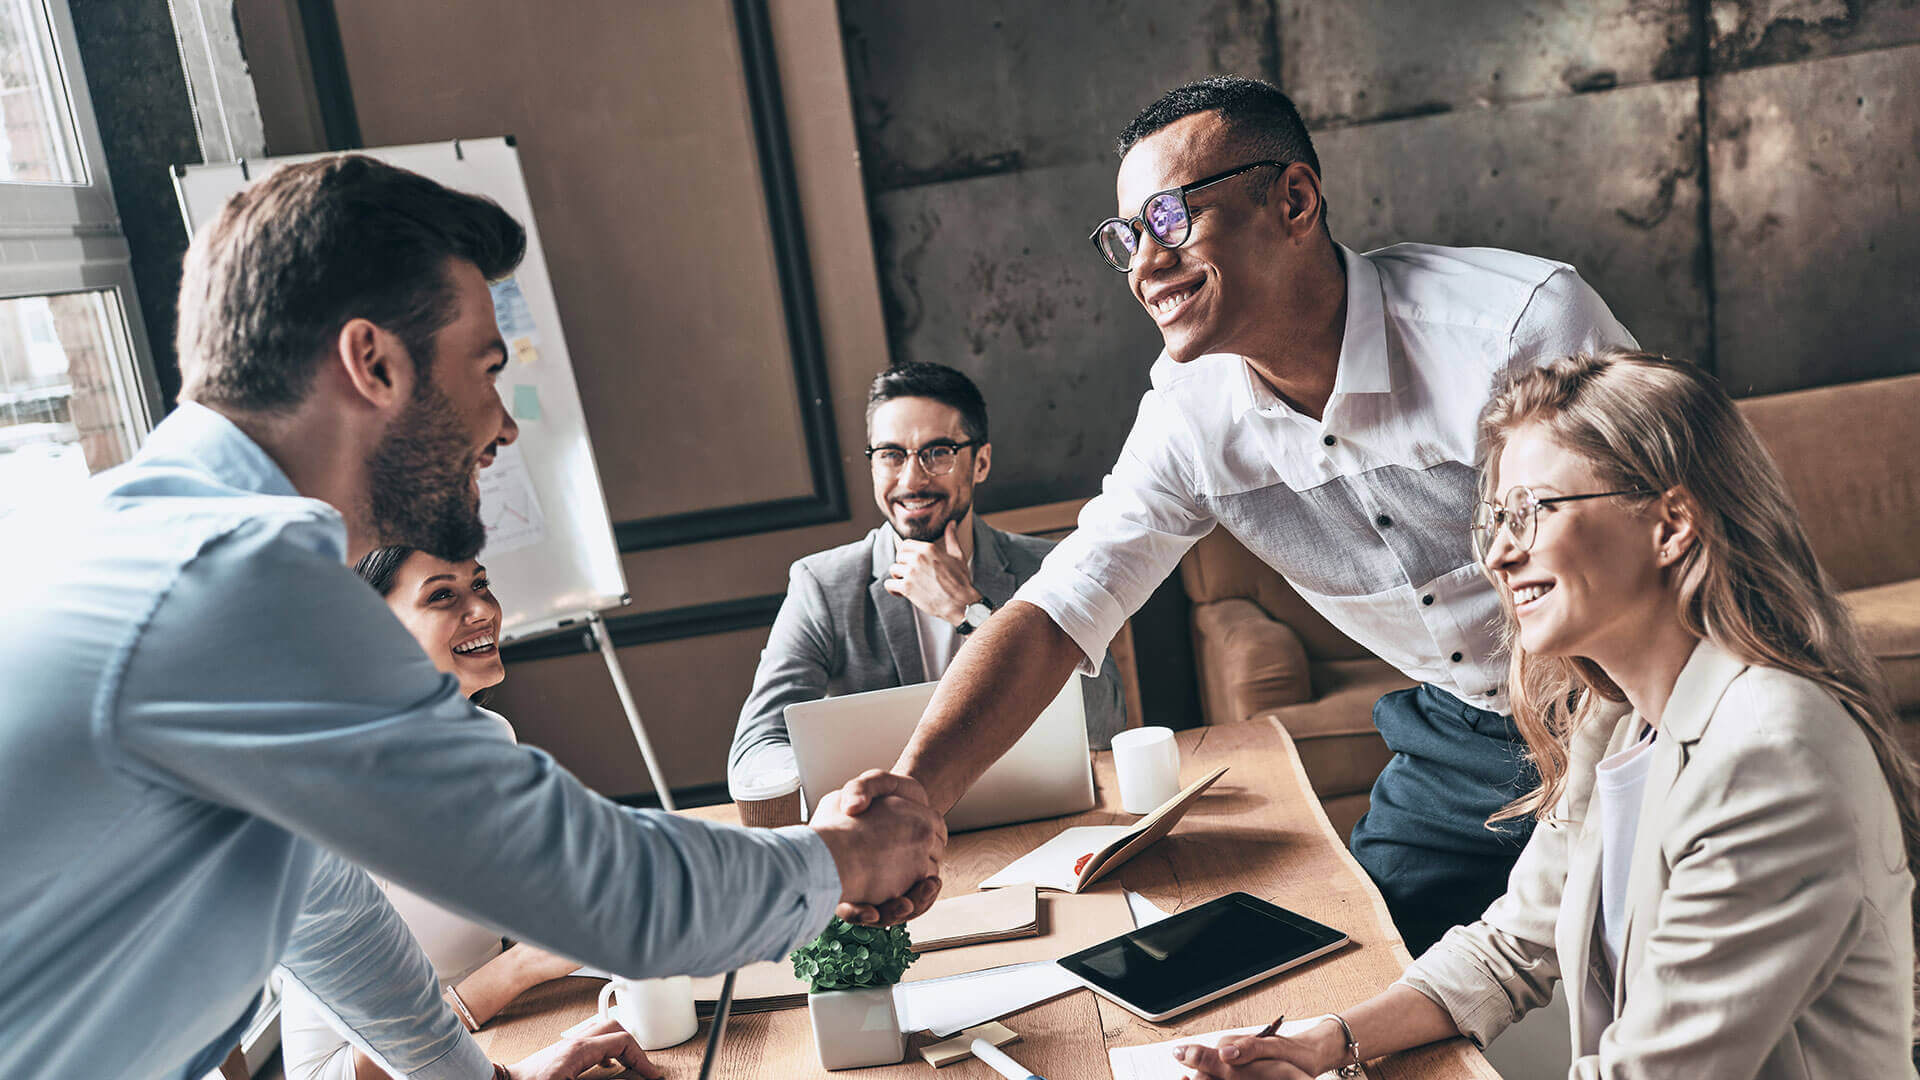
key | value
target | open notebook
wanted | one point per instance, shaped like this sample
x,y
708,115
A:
x,y
1076,858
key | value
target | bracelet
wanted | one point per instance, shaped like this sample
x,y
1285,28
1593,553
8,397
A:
x,y
500,1072
460,1008
1353,1046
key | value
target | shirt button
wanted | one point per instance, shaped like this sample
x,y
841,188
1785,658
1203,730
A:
x,y
1328,439
1383,521
1457,657
1427,600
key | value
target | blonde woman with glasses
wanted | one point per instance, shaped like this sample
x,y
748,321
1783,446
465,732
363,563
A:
x,y
1722,870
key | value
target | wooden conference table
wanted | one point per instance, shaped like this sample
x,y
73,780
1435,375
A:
x,y
1258,829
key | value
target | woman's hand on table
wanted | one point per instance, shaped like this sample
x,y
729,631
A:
x,y
1248,1057
568,1058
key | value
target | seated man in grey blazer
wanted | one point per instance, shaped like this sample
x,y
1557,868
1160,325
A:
x,y
892,608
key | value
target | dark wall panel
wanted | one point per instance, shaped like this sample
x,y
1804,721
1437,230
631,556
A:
x,y
1754,33
1607,182
1816,220
943,91
994,275
1364,60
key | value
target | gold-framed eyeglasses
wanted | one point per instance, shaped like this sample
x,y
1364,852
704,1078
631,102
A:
x,y
1519,514
936,459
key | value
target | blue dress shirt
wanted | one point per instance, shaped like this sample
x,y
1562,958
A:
x,y
202,705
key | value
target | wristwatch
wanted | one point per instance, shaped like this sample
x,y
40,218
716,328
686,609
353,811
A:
x,y
974,617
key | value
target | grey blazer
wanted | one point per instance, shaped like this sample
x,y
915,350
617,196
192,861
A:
x,y
841,632
1768,933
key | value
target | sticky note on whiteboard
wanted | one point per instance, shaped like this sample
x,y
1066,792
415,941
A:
x,y
526,402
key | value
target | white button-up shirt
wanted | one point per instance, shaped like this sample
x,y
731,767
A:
x,y
1364,511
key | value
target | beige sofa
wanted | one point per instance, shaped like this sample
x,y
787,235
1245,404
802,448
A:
x,y
1851,458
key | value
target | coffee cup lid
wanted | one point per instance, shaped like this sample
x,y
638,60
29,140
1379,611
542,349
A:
x,y
765,784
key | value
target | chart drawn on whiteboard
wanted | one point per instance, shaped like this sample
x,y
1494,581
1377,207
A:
x,y
509,507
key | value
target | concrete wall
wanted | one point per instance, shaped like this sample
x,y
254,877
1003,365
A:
x,y
1730,175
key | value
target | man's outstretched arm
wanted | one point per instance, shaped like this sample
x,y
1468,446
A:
x,y
992,694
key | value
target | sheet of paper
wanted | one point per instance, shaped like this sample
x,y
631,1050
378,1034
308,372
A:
x,y
508,505
1155,1061
1050,865
944,1006
1145,912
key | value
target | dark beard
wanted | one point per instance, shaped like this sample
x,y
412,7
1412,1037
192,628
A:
x,y
936,530
420,481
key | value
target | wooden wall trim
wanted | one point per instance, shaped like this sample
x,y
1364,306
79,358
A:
x,y
827,502
648,627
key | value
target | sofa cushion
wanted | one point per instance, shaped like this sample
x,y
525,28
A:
x,y
1248,662
1889,620
1854,478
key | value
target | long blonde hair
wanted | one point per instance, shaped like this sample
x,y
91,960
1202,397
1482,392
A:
x,y
1750,584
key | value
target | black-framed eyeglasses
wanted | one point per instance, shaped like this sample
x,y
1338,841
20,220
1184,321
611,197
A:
x,y
1519,514
1166,217
936,459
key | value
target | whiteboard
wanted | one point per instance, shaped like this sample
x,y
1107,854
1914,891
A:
x,y
550,544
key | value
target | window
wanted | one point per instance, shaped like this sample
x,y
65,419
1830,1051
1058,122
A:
x,y
77,392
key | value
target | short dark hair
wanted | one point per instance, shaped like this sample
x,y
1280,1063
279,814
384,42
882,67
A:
x,y
268,284
381,566
942,384
1254,112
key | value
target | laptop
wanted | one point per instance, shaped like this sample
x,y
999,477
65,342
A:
x,y
1048,773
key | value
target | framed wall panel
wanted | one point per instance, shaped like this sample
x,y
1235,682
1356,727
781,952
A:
x,y
655,145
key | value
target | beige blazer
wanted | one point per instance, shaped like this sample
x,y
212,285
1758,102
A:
x,y
1769,930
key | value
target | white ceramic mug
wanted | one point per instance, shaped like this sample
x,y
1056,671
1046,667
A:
x,y
1148,761
658,1013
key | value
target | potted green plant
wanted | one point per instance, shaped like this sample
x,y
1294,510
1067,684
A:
x,y
850,971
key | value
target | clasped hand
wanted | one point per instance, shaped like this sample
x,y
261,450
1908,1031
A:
x,y
887,843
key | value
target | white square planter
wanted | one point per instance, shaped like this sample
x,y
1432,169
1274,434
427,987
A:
x,y
854,1028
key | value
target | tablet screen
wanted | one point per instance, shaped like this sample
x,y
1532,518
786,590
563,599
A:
x,y
1200,951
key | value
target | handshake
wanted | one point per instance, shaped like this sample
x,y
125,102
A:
x,y
887,843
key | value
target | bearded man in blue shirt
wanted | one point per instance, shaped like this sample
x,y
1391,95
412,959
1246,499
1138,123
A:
x,y
207,713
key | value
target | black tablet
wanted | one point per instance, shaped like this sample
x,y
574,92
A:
x,y
1200,954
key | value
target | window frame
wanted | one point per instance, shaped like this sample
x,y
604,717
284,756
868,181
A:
x,y
66,237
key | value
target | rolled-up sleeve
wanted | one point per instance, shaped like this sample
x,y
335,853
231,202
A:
x,y
1129,538
1490,973
352,953
287,690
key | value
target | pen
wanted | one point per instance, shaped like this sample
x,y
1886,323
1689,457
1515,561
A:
x,y
1273,1027
1001,1063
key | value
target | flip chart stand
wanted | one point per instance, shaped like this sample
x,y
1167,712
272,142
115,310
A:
x,y
597,629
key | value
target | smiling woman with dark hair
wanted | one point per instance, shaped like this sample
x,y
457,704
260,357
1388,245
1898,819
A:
x,y
1722,869
449,608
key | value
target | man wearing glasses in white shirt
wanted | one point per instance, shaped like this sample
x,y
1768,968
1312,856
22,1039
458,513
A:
x,y
1319,404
